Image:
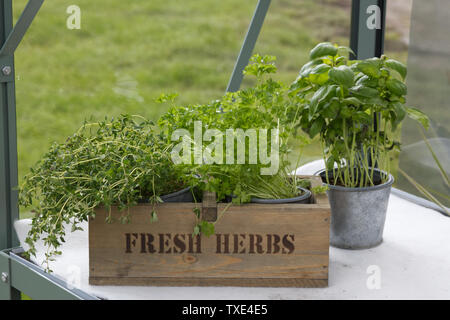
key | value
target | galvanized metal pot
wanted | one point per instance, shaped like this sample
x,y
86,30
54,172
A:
x,y
358,214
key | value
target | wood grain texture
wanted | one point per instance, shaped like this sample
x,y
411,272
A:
x,y
279,245
210,282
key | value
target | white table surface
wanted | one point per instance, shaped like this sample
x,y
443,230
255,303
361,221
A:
x,y
413,262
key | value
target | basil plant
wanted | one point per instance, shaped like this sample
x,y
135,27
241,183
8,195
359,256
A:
x,y
355,107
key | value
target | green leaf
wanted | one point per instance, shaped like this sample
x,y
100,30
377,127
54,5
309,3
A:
x,y
362,117
320,95
322,50
306,69
342,75
345,50
197,212
330,163
207,228
316,98
319,79
260,65
316,128
154,217
396,87
196,230
397,66
370,67
364,91
419,116
169,97
319,189
367,81
319,74
400,111
331,109
321,68
352,101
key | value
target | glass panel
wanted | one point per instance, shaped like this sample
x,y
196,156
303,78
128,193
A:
x,y
127,52
292,28
428,84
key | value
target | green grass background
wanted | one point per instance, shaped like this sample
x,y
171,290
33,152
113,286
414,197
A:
x,y
128,52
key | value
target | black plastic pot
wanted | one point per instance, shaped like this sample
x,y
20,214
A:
x,y
229,198
184,195
304,198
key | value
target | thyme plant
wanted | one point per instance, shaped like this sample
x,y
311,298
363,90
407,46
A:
x,y
118,162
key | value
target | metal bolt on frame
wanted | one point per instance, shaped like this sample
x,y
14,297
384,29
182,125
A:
x,y
4,277
6,70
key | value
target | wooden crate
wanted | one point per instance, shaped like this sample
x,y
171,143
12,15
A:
x,y
255,245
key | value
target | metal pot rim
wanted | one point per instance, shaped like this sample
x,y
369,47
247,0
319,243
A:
x,y
304,196
348,189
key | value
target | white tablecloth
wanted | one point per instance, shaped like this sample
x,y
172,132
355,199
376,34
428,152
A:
x,y
413,262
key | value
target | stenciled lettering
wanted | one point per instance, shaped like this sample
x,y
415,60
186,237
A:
x,y
167,243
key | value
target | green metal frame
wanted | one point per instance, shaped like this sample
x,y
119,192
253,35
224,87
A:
x,y
9,39
20,275
249,44
364,42
24,276
8,162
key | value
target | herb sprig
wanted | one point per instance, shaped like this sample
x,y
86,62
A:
x,y
266,105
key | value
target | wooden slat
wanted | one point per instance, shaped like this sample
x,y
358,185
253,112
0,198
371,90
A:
x,y
202,282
